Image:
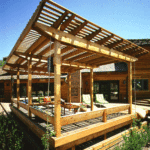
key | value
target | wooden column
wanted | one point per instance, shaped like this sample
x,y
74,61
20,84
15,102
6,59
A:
x,y
105,116
73,148
69,76
91,88
18,88
29,86
57,88
130,86
11,94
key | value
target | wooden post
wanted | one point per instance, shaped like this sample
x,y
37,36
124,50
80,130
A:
x,y
57,88
91,88
18,88
130,86
105,116
73,148
29,86
105,136
11,95
69,76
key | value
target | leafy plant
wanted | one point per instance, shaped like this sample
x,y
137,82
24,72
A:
x,y
135,140
2,62
45,138
10,137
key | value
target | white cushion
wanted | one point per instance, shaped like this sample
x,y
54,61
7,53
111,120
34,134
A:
x,y
86,98
100,99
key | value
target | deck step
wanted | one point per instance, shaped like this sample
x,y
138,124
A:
x,y
142,104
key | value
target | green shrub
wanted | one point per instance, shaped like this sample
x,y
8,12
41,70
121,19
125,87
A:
x,y
10,137
135,140
45,138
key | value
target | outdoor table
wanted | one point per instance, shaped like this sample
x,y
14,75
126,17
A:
x,y
70,106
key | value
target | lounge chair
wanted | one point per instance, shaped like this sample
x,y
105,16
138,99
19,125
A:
x,y
100,99
86,98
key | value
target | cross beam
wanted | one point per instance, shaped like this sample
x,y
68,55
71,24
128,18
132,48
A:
x,y
75,41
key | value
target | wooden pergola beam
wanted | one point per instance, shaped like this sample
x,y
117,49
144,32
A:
x,y
26,68
32,47
92,35
35,44
103,41
99,59
80,56
27,28
124,48
78,28
20,54
106,62
93,56
45,42
69,39
112,45
80,65
59,21
76,52
66,22
103,61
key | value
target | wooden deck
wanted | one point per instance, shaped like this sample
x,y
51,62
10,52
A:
x,y
75,132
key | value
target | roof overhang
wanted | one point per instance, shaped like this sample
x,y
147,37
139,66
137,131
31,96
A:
x,y
83,44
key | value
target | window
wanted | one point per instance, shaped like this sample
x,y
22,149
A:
x,y
140,84
23,92
41,89
1,90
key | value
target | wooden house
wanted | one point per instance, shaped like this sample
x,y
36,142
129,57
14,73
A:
x,y
111,80
74,43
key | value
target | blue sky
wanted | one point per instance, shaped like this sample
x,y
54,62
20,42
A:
x,y
129,19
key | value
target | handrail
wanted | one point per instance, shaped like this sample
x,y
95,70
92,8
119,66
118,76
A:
x,y
42,115
93,114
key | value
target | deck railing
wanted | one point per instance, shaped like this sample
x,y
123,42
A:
x,y
65,120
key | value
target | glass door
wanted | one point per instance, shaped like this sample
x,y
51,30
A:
x,y
105,89
114,91
110,90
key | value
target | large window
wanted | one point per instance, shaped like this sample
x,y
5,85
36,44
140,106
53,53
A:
x,y
38,89
41,89
23,92
140,84
1,90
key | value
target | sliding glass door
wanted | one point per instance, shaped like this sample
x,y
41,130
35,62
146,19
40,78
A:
x,y
110,90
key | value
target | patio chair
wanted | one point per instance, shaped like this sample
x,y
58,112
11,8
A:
x,y
86,98
100,99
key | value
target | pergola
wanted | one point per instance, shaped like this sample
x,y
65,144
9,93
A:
x,y
74,43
